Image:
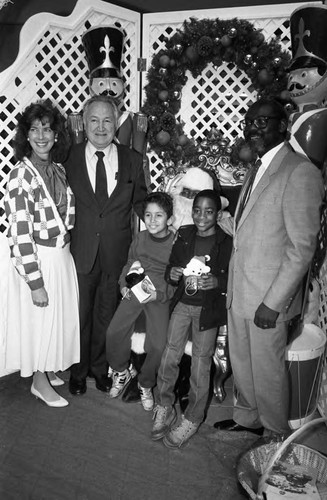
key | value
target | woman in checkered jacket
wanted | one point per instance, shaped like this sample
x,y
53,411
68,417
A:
x,y
42,298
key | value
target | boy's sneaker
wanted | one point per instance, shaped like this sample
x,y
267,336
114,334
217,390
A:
x,y
164,417
132,370
146,397
119,382
179,436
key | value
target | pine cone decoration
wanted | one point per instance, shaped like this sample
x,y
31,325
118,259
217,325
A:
x,y
167,121
204,46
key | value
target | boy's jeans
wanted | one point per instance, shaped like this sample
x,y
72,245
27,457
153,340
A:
x,y
203,345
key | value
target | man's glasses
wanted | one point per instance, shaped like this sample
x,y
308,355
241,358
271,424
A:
x,y
259,122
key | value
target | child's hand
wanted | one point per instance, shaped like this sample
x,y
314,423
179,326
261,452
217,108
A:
x,y
126,293
152,298
176,273
207,282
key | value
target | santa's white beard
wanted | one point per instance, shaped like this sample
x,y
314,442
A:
x,y
182,211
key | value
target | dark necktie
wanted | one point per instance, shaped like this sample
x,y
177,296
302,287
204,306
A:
x,y
101,187
246,191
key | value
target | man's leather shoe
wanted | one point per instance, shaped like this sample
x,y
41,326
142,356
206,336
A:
x,y
77,387
232,426
103,383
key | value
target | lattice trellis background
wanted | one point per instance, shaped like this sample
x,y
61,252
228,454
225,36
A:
x,y
219,96
51,64
55,67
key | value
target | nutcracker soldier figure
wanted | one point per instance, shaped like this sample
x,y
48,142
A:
x,y
307,83
103,47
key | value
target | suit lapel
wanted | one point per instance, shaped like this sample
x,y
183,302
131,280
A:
x,y
275,165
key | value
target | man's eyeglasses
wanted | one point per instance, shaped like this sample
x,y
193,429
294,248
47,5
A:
x,y
259,122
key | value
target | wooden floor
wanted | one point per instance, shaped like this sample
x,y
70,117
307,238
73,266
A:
x,y
100,449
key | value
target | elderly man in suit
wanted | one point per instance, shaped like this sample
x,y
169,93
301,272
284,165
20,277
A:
x,y
275,228
108,181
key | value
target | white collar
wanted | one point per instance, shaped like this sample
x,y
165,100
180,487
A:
x,y
92,149
267,157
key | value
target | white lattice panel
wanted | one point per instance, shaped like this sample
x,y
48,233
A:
x,y
52,64
225,90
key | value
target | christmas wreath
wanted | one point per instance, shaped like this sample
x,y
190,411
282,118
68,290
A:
x,y
191,48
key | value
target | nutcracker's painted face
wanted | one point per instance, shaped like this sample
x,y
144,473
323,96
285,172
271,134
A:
x,y
307,86
112,87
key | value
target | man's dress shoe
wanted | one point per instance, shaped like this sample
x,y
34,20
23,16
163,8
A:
x,y
77,387
232,426
103,383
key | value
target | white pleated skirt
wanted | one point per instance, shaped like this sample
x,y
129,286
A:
x,y
41,338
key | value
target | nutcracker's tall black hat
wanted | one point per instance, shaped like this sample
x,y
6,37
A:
x,y
308,25
103,48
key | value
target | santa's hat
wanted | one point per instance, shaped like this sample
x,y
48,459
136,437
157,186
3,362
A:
x,y
195,178
136,267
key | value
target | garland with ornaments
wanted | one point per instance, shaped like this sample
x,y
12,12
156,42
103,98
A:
x,y
191,48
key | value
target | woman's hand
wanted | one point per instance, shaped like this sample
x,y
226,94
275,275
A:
x,y
40,297
207,282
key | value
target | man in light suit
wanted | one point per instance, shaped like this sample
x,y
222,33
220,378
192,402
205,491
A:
x,y
105,195
274,242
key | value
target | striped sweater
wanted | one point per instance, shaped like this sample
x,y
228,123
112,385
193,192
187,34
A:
x,y
34,220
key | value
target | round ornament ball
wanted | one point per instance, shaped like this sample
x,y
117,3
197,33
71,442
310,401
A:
x,y
264,77
163,137
245,153
164,61
163,95
232,33
225,41
192,54
178,48
182,139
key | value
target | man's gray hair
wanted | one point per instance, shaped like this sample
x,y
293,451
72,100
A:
x,y
105,99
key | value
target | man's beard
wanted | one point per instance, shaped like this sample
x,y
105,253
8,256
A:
x,y
258,147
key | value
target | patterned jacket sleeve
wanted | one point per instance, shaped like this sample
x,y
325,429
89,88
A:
x,y
20,206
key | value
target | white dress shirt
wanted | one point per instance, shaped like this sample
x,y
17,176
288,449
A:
x,y
110,160
265,162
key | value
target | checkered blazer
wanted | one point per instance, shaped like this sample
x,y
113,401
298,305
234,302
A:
x,y
34,220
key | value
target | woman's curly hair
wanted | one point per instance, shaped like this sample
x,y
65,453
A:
x,y
44,111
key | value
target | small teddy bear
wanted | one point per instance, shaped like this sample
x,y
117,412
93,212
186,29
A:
x,y
135,274
197,266
194,269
